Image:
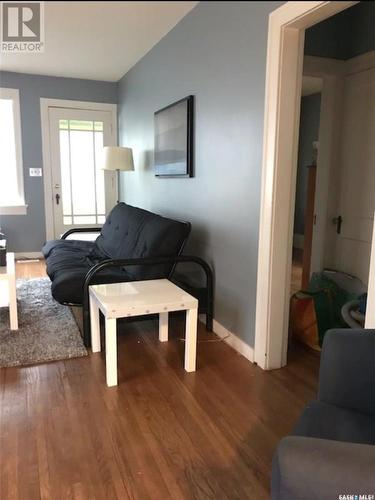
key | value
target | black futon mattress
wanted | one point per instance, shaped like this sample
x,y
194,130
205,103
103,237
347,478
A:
x,y
129,232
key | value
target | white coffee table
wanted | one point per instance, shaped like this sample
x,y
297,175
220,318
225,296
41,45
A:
x,y
8,297
138,298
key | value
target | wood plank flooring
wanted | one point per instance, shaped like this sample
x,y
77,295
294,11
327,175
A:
x,y
30,268
160,434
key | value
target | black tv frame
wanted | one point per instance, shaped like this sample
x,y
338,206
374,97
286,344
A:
x,y
189,138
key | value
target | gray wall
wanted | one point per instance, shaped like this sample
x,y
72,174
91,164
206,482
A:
x,y
345,35
217,53
26,233
308,133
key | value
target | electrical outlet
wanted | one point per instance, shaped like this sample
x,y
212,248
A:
x,y
35,172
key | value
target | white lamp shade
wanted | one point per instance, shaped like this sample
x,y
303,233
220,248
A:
x,y
118,158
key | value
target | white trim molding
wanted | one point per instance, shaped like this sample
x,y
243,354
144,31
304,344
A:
x,y
45,105
279,167
231,339
28,255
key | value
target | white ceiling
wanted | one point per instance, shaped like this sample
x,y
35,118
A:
x,y
97,40
311,85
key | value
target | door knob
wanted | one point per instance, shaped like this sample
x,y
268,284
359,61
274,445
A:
x,y
57,196
338,221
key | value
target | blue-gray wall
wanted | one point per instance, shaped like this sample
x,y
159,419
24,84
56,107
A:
x,y
345,35
26,233
308,133
217,53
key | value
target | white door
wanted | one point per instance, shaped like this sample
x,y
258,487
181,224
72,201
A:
x,y
82,192
357,179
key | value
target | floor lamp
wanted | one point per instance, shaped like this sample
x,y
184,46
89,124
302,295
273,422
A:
x,y
119,159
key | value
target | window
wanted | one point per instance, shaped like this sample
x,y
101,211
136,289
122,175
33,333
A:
x,y
81,157
12,199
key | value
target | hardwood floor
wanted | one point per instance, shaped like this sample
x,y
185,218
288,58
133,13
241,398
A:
x,y
30,268
160,434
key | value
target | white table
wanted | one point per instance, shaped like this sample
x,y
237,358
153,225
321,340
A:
x,y
138,298
8,297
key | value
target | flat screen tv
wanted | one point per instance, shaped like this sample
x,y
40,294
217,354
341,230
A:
x,y
174,131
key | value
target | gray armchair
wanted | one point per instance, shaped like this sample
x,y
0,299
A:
x,y
332,449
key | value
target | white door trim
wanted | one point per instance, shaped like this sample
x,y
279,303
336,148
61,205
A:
x,y
45,104
281,123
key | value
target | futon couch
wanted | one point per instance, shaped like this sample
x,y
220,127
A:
x,y
332,449
133,245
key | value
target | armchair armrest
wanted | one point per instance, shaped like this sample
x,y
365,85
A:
x,y
80,230
347,370
305,468
113,263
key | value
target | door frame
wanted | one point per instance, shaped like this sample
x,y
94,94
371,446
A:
x,y
284,70
45,105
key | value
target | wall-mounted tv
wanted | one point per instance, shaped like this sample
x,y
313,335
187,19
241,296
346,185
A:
x,y
174,144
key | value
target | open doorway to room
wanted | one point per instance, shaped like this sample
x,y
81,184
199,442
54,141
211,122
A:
x,y
304,212
344,185
330,291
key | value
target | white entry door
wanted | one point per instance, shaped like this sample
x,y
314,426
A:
x,y
82,192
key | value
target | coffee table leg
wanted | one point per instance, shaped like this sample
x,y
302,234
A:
x,y
111,351
95,326
191,340
163,327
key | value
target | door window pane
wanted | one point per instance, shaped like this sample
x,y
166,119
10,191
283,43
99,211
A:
x,y
81,125
82,177
83,172
85,219
98,126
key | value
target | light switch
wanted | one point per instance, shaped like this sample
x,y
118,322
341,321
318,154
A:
x,y
35,172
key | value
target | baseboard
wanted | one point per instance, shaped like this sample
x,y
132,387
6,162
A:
x,y
298,240
231,339
28,255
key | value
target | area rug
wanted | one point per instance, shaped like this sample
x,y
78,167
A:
x,y
46,331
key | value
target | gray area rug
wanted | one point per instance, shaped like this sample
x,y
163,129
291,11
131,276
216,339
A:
x,y
46,331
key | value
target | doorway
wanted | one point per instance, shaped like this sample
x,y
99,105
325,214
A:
x,y
78,192
283,92
305,218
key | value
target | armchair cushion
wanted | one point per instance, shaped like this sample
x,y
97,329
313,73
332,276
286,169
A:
x,y
322,420
332,451
347,370
305,468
